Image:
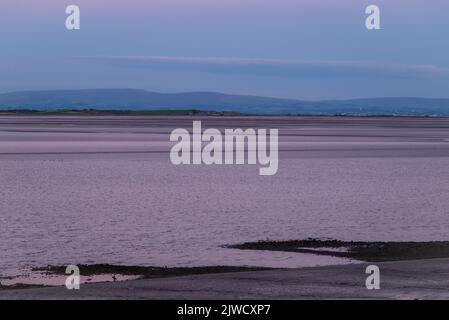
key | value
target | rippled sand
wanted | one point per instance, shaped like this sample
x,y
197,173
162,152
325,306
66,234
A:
x,y
102,190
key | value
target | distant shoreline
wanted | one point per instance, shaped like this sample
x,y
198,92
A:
x,y
192,112
93,112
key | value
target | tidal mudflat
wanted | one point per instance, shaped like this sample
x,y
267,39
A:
x,y
360,250
102,190
408,280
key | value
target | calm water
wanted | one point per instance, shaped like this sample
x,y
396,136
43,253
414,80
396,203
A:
x,y
105,192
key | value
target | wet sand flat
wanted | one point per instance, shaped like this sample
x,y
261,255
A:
x,y
112,136
101,189
419,279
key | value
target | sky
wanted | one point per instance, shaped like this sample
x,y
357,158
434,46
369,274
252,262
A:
x,y
304,49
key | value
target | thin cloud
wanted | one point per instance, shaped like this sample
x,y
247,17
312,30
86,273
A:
x,y
278,68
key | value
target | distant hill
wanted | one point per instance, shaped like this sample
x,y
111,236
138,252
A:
x,y
141,100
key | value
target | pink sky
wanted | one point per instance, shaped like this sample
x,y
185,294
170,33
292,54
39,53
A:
x,y
130,5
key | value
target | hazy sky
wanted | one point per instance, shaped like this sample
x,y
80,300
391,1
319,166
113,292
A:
x,y
309,49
